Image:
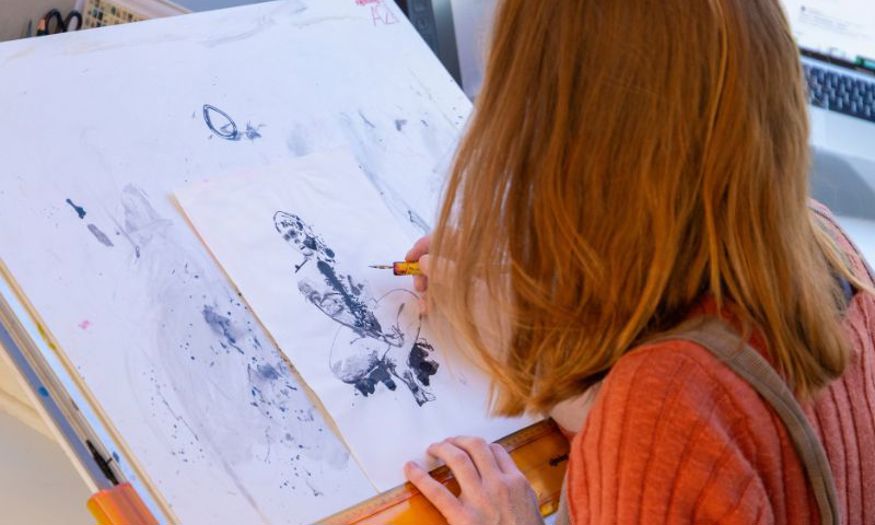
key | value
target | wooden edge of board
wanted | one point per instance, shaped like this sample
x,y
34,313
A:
x,y
540,451
82,426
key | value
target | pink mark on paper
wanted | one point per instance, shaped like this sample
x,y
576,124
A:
x,y
85,324
380,12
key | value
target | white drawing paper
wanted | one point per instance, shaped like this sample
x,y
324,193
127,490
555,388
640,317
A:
x,y
297,239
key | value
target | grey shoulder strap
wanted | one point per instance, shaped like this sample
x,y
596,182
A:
x,y
747,363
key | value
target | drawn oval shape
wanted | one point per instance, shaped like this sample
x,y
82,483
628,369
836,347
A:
x,y
220,123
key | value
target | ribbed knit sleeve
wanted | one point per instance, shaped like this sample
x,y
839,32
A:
x,y
675,437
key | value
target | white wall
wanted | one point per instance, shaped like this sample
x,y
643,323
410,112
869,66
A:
x,y
472,20
38,484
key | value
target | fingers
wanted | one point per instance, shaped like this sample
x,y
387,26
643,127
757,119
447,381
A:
x,y
482,455
439,496
419,252
425,264
459,463
420,282
419,249
503,460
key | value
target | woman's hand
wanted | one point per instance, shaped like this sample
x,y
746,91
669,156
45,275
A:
x,y
494,491
419,252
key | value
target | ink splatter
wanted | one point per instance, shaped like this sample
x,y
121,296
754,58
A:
x,y
223,126
99,235
85,324
252,132
374,333
400,123
209,353
80,211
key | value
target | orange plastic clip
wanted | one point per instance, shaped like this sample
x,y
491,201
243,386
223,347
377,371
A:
x,y
120,505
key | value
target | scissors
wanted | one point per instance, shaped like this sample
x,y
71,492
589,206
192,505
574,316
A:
x,y
61,24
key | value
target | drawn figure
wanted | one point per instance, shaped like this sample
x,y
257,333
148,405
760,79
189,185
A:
x,y
375,334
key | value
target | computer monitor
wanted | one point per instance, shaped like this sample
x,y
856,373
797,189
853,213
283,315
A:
x,y
840,31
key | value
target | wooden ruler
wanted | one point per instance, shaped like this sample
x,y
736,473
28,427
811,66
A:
x,y
540,451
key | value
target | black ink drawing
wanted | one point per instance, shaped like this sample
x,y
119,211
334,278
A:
x,y
374,335
224,126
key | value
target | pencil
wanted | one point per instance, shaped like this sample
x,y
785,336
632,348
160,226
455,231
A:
x,y
401,268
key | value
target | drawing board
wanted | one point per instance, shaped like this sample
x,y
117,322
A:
x,y
101,126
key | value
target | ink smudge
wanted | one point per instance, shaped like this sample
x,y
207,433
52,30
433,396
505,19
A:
x,y
142,223
298,144
99,235
221,325
268,372
85,324
380,371
252,132
400,123
80,211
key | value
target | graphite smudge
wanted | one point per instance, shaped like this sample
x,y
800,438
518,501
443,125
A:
x,y
99,235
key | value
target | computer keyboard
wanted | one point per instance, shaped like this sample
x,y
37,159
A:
x,y
844,94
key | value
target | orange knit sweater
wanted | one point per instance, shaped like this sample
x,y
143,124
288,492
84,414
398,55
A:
x,y
676,437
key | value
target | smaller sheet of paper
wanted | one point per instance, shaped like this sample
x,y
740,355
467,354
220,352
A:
x,y
297,240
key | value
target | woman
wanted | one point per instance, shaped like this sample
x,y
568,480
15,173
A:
x,y
631,166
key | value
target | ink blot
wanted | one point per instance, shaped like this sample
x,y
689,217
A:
x,y
80,211
252,132
419,361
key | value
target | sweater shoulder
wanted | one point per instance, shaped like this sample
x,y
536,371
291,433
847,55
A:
x,y
672,432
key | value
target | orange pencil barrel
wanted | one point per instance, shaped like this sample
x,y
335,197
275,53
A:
x,y
406,268
120,505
